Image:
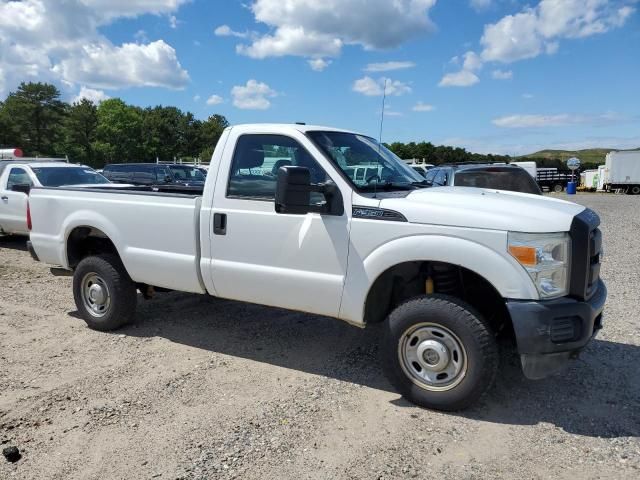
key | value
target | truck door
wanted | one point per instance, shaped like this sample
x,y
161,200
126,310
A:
x,y
13,205
260,256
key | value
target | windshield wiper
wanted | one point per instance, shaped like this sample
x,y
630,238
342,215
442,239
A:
x,y
422,183
388,186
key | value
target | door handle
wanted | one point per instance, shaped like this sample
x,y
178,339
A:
x,y
220,223
5,198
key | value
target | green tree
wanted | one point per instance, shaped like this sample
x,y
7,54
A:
x,y
36,113
80,129
210,133
119,132
163,135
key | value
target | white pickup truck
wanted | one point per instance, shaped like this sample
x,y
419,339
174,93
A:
x,y
286,220
18,176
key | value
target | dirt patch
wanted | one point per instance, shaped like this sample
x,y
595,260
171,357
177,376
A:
x,y
206,388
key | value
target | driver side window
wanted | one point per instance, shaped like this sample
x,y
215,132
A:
x,y
18,176
256,161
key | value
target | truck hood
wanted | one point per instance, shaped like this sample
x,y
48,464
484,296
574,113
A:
x,y
486,209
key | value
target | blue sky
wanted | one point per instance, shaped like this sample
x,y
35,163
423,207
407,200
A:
x,y
500,76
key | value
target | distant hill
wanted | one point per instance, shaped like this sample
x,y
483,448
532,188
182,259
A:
x,y
590,155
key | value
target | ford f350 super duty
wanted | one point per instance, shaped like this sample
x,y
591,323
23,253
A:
x,y
330,222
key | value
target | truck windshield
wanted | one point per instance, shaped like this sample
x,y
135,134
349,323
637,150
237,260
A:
x,y
369,165
184,173
60,176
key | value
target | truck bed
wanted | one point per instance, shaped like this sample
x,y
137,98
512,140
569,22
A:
x,y
155,231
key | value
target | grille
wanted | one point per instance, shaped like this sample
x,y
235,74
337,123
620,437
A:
x,y
586,242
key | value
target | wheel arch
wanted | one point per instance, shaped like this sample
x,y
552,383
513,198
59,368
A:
x,y
89,235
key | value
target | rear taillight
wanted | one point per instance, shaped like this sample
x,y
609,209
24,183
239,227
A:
x,y
29,226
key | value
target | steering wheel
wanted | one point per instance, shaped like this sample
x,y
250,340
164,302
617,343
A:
x,y
372,177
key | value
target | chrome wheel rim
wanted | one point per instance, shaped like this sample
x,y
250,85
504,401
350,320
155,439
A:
x,y
432,356
95,295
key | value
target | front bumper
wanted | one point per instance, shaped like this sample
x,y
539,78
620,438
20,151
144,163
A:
x,y
550,332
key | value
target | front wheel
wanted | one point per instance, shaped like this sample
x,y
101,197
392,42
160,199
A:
x,y
439,353
104,293
558,188
635,190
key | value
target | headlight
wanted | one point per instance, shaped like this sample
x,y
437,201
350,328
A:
x,y
545,257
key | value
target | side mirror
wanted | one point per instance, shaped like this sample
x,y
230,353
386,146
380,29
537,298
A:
x,y
22,187
293,193
293,190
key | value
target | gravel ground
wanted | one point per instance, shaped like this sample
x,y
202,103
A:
x,y
205,388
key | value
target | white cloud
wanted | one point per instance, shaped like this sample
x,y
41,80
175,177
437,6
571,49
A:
x,y
537,30
388,66
318,64
527,96
423,107
173,21
480,4
104,65
309,28
463,78
502,74
49,40
557,120
466,77
215,100
196,98
292,41
96,96
141,36
252,96
370,87
226,31
520,145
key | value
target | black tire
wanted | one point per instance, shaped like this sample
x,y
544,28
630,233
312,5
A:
x,y
121,292
634,190
558,188
467,326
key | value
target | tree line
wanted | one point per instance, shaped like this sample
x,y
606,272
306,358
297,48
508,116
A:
x,y
35,119
441,153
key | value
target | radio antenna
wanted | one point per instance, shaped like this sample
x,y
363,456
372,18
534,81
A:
x,y
378,173
384,98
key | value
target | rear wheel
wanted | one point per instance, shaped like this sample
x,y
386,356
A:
x,y
438,352
558,188
635,190
104,293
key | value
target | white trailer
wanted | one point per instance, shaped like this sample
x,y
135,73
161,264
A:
x,y
589,179
601,177
530,167
623,171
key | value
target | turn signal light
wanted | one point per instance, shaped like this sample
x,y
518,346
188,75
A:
x,y
525,255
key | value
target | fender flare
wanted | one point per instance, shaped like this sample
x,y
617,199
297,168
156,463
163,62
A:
x,y
506,275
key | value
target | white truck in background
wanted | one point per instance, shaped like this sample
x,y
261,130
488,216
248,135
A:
x,y
18,176
446,270
622,171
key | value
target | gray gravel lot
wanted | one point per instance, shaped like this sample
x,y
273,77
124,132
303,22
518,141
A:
x,y
206,388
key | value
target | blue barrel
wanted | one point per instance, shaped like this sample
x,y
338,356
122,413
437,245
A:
x,y
571,188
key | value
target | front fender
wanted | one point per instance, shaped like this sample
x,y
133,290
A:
x,y
502,271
